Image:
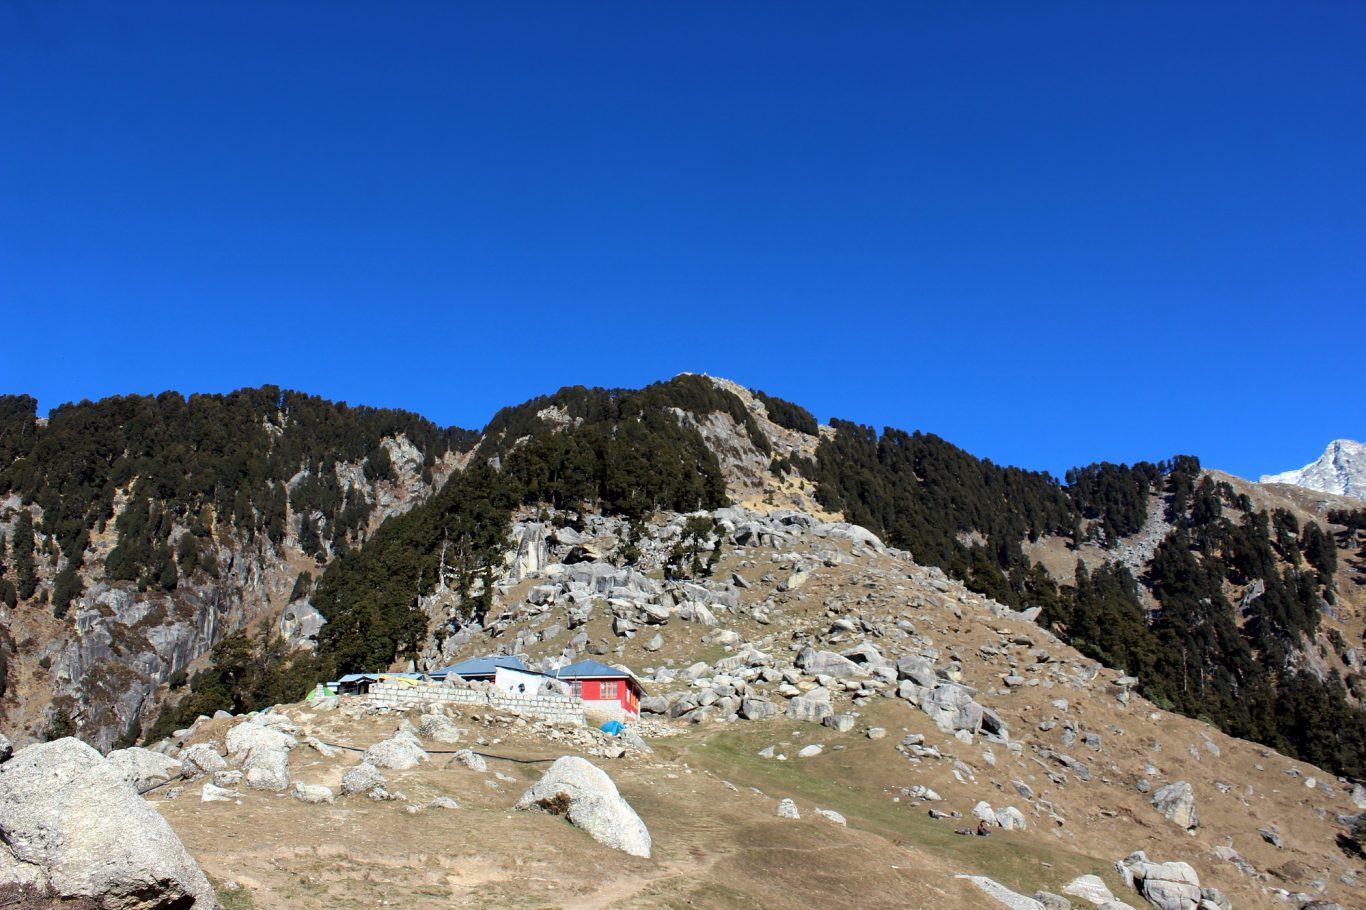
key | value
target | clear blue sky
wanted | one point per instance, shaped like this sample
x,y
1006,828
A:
x,y
1050,232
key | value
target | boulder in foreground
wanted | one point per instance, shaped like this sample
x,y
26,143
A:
x,y
575,788
75,833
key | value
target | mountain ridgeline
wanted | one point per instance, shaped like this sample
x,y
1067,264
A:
x,y
1220,618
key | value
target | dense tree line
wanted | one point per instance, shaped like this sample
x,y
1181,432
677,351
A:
x,y
788,415
695,394
1113,496
950,509
206,463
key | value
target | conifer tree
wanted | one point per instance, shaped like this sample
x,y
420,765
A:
x,y
25,572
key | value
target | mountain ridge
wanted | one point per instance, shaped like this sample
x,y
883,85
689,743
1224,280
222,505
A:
x,y
693,444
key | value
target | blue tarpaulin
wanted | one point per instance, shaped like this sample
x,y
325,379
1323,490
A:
x,y
613,727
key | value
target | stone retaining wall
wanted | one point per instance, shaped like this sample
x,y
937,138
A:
x,y
549,707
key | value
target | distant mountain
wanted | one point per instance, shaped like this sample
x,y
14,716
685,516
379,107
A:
x,y
1341,469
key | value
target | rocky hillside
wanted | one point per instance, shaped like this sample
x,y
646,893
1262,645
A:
x,y
1227,600
1340,470
141,532
825,718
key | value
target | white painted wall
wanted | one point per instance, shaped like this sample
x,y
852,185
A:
x,y
533,683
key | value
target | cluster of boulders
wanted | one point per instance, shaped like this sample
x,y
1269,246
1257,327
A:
x,y
1169,886
1166,886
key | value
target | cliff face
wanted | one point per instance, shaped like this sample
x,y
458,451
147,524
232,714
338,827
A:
x,y
101,669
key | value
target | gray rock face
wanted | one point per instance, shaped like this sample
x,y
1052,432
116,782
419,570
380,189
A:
x,y
1168,886
574,787
142,767
72,828
788,809
918,670
6,748
813,707
1176,801
300,624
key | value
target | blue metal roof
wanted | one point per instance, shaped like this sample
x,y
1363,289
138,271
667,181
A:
x,y
481,666
590,668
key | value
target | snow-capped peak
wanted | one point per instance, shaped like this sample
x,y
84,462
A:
x,y
1341,469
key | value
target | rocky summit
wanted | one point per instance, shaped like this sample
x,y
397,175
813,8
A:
x,y
714,654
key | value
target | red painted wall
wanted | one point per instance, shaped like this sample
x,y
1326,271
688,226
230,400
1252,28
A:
x,y
591,690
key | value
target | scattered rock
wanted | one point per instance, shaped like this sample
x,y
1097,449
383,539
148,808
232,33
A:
x,y
399,752
788,809
472,760
1176,802
1090,888
211,793
361,779
1003,895
313,793
439,728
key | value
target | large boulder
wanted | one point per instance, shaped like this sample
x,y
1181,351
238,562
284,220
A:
x,y
263,754
813,707
919,670
1168,886
144,768
952,708
361,778
1176,801
1090,888
1003,896
399,752
575,788
827,663
440,728
74,832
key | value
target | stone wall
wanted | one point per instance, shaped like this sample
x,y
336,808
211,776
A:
x,y
549,707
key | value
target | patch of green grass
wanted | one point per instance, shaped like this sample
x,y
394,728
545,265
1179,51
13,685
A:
x,y
856,781
233,899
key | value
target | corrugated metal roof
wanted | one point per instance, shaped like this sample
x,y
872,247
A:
x,y
590,668
481,666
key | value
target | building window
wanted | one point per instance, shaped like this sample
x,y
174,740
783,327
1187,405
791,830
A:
x,y
577,688
609,690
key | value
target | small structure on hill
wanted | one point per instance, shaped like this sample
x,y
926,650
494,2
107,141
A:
x,y
604,690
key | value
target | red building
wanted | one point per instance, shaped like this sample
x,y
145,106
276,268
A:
x,y
604,688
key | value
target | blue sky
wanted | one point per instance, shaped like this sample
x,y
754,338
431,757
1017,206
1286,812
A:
x,y
1052,233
